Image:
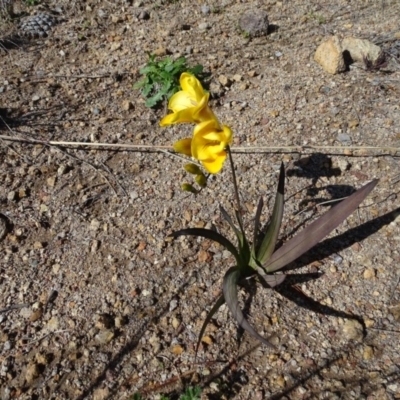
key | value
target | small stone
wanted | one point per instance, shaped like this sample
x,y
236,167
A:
x,y
105,336
52,324
344,138
32,372
353,123
353,330
175,323
161,51
37,245
115,46
173,304
51,181
205,9
274,113
369,273
368,352
101,394
11,196
177,350
94,247
37,314
223,80
395,312
144,15
237,77
207,340
120,321
254,23
360,49
127,105
329,55
115,19
94,224
62,169
204,26
280,380
35,98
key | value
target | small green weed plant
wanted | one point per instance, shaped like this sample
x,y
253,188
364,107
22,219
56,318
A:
x,y
161,78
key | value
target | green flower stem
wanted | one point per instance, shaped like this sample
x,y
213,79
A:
x,y
235,185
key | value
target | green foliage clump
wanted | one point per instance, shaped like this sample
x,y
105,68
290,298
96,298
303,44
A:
x,y
161,78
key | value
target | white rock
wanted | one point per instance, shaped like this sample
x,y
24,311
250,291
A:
x,y
361,48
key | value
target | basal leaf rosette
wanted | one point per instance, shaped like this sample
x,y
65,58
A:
x,y
190,105
207,145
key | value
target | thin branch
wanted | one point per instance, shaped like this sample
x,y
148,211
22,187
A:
x,y
14,307
247,149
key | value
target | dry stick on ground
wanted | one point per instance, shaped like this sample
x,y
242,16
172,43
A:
x,y
14,307
238,149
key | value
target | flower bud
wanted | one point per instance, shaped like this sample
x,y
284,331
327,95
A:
x,y
201,180
187,187
193,169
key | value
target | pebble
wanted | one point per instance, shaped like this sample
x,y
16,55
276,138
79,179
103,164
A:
x,y
369,273
204,26
343,137
127,105
254,23
11,196
353,330
329,55
368,352
205,9
52,324
32,372
144,15
173,304
104,336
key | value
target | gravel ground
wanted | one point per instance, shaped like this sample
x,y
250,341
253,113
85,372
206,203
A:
x,y
96,303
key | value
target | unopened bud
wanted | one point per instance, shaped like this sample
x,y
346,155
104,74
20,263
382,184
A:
x,y
192,169
187,187
201,180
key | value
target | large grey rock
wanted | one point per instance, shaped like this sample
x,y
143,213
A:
x,y
254,23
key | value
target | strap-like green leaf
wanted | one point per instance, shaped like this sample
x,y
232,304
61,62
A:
x,y
271,236
228,219
215,308
316,231
209,234
230,293
272,280
257,222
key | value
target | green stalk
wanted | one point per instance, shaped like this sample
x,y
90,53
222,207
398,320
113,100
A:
x,y
235,185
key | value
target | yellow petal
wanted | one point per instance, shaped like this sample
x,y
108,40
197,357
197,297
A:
x,y
191,85
183,146
215,166
181,101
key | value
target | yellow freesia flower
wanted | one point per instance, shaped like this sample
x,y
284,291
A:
x,y
207,145
190,104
